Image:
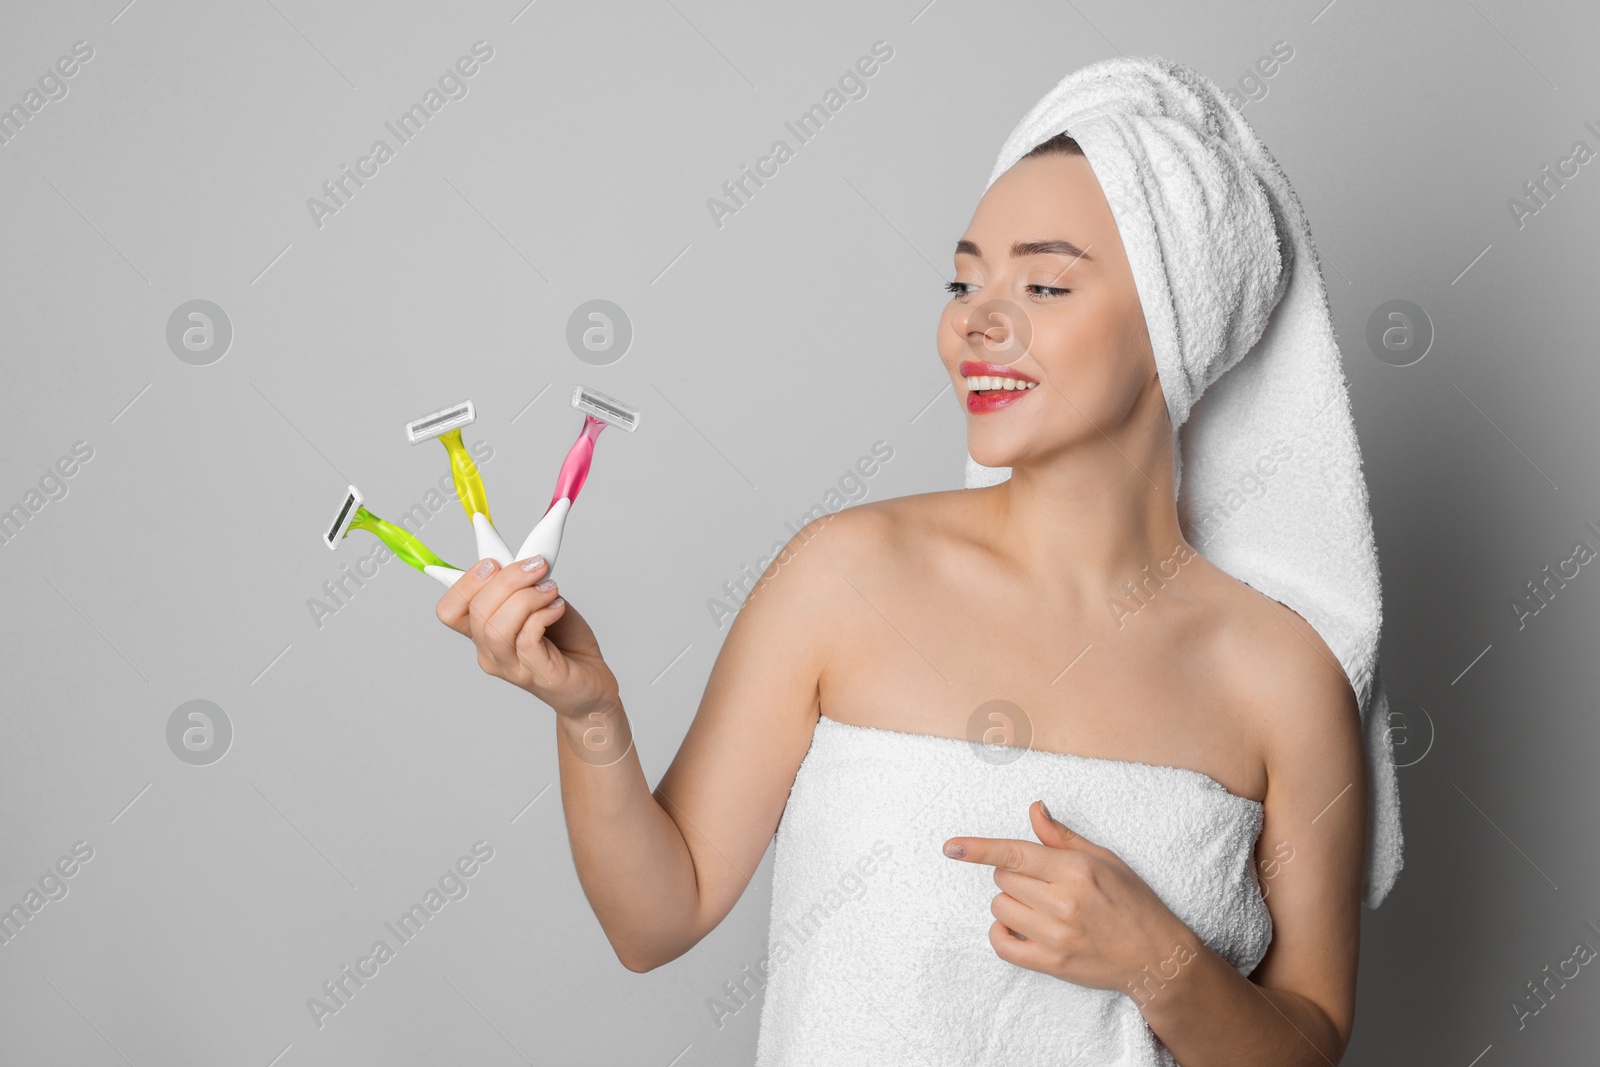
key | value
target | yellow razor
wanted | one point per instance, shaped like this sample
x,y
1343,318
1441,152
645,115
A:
x,y
445,424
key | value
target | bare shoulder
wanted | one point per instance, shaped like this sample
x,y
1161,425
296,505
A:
x,y
818,572
881,531
804,576
1301,706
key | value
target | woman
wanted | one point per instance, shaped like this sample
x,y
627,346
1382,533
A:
x,y
1198,741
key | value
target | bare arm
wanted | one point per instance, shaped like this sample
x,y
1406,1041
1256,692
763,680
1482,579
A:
x,y
1298,1008
662,870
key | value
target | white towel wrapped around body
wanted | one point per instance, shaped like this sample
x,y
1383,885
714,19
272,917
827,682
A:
x,y
878,951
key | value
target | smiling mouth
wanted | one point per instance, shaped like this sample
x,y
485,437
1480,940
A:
x,y
985,385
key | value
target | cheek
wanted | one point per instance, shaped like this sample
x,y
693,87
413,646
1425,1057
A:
x,y
1073,347
1091,359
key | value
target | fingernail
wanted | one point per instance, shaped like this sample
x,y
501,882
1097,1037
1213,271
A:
x,y
546,585
532,563
484,569
557,600
1046,811
955,851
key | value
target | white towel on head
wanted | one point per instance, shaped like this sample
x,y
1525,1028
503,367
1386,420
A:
x,y
1244,346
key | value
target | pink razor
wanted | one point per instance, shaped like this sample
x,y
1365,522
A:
x,y
599,411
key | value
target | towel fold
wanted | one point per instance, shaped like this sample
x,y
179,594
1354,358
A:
x,y
1238,316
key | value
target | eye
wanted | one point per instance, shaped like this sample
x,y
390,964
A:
x,y
957,288
1049,290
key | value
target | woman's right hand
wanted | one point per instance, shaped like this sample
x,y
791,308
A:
x,y
527,634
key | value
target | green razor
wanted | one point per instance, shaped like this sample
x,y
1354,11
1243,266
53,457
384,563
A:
x,y
353,516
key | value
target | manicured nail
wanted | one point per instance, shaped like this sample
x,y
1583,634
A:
x,y
557,600
1045,811
955,851
545,585
484,569
533,563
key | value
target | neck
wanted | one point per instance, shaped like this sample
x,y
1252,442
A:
x,y
1090,518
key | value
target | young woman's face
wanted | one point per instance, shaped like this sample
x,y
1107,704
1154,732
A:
x,y
1043,291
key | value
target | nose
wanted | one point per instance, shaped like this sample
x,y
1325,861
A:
x,y
991,334
997,330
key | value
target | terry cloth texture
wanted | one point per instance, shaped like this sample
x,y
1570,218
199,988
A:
x,y
879,947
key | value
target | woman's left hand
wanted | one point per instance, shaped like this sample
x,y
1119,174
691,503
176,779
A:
x,y
1084,916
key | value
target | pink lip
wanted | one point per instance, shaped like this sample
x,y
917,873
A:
x,y
980,405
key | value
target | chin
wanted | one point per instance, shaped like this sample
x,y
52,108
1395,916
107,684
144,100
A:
x,y
991,453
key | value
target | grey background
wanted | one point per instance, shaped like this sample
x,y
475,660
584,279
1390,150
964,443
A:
x,y
369,752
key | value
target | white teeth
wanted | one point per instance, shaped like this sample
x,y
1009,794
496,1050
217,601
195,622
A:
x,y
976,382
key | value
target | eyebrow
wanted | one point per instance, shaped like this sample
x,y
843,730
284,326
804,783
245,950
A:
x,y
1030,248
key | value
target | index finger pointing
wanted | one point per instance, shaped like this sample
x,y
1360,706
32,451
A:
x,y
1024,857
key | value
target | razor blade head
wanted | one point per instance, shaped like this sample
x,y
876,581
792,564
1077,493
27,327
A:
x,y
346,515
442,421
607,409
